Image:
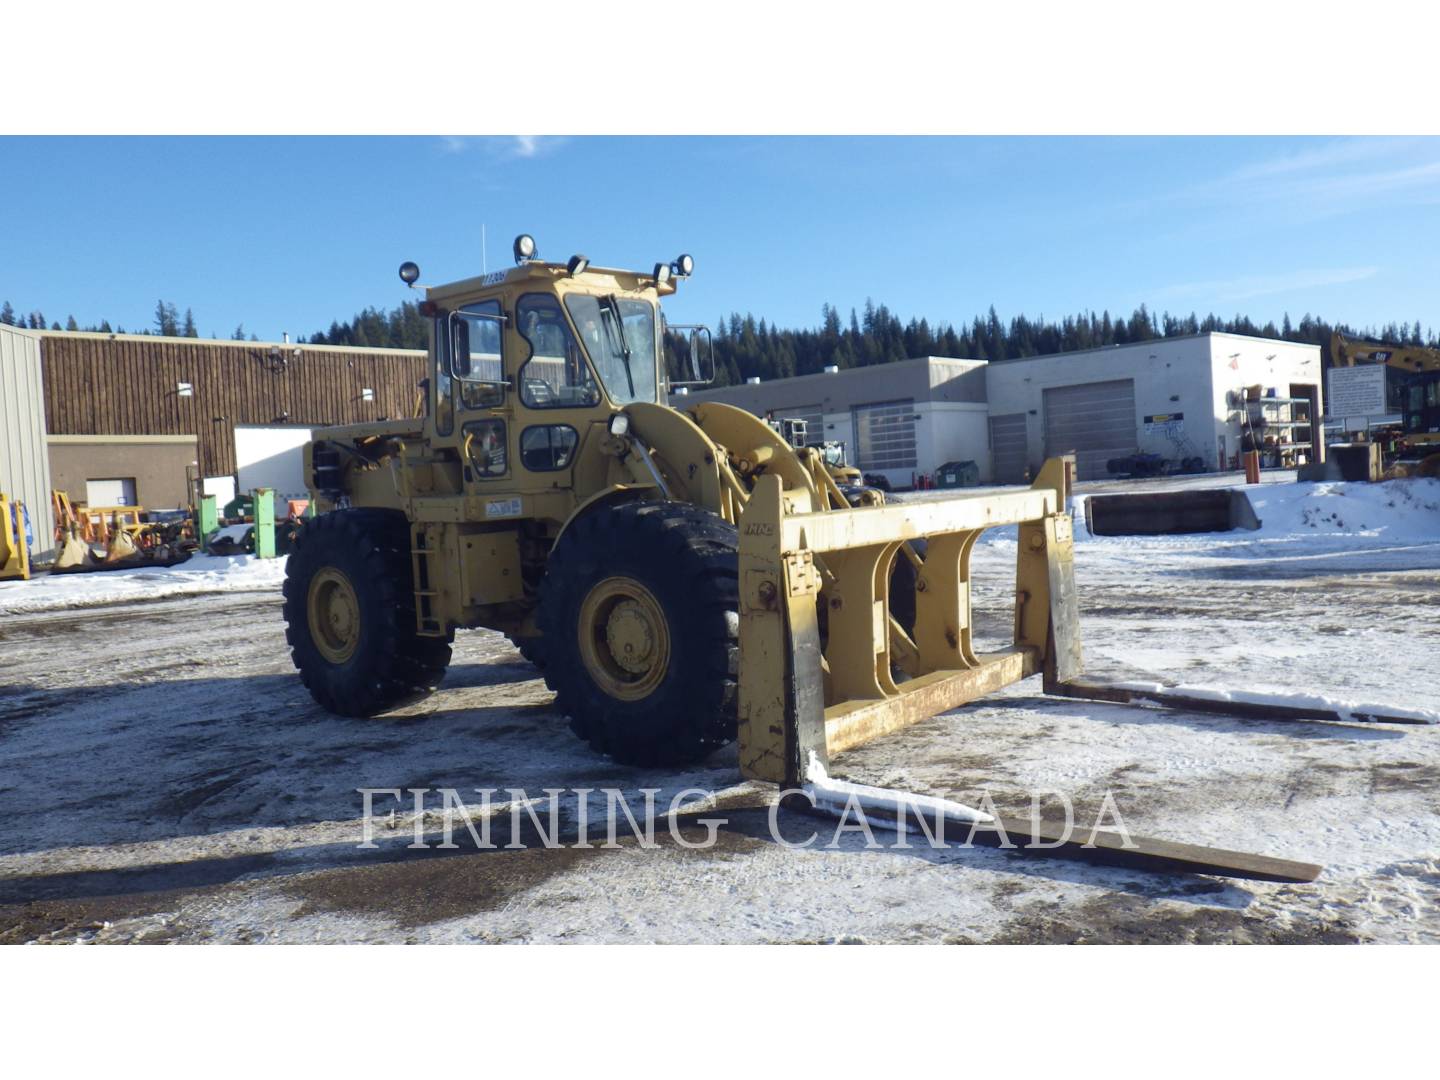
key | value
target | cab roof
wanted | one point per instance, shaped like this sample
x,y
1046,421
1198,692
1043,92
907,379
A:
x,y
593,276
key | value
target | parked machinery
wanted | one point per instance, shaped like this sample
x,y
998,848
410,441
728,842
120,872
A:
x,y
682,577
1412,390
15,539
125,536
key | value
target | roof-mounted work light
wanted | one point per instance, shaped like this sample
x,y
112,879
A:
x,y
576,265
525,249
409,273
684,266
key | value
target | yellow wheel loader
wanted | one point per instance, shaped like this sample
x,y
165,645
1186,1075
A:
x,y
683,577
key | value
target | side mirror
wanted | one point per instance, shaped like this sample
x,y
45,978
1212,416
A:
x,y
697,367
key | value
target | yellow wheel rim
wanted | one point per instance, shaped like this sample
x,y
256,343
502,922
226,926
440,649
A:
x,y
334,614
624,638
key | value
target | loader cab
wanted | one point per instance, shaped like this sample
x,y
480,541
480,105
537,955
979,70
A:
x,y
528,364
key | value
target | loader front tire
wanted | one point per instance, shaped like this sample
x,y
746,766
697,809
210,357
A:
x,y
639,612
350,615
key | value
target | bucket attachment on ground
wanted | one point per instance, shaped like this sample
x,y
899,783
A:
x,y
1163,513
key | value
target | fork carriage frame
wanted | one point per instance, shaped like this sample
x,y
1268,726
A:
x,y
801,701
814,684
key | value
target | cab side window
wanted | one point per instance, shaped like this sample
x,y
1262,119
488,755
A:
x,y
548,448
556,375
444,388
484,448
477,354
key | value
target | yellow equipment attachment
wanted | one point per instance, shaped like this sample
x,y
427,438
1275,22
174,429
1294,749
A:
x,y
122,543
74,551
14,554
818,643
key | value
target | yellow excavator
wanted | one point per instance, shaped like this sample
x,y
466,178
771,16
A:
x,y
683,577
1412,390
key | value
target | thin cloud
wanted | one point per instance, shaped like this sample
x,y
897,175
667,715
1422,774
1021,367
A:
x,y
1247,288
1340,177
1332,155
506,147
532,146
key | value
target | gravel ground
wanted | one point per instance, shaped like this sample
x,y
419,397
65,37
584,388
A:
x,y
164,777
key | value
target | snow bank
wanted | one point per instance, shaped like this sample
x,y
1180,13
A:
x,y
200,574
1394,511
1407,509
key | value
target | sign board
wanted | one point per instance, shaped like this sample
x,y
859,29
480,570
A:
x,y
1165,423
1356,391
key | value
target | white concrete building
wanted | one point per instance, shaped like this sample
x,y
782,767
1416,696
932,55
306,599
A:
x,y
1180,398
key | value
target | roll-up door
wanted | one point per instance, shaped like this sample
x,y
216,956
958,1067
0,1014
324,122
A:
x,y
1007,448
1094,420
885,435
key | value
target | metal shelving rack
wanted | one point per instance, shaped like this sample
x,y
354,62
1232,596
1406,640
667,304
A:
x,y
1282,453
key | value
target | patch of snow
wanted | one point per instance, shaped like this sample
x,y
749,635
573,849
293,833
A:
x,y
1347,710
199,574
842,798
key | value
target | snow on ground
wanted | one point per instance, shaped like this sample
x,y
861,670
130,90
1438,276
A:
x,y
164,776
198,574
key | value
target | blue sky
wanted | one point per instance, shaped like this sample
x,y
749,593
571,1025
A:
x,y
286,234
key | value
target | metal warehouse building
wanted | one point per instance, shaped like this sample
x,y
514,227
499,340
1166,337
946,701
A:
x,y
24,464
132,419
1202,397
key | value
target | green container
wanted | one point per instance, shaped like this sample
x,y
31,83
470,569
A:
x,y
957,474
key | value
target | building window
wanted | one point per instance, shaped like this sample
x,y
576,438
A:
x,y
885,435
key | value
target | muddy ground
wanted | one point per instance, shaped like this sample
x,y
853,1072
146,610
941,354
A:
x,y
165,778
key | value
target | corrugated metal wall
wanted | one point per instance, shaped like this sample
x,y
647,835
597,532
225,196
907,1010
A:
x,y
24,458
126,385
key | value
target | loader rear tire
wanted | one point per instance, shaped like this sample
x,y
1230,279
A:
x,y
350,615
902,587
639,612
531,650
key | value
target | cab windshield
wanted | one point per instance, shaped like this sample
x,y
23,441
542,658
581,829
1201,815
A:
x,y
619,335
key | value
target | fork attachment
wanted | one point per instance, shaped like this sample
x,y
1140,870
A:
x,y
819,647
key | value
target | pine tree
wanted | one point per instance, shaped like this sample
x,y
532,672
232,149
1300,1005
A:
x,y
7,315
239,334
189,329
71,324
167,319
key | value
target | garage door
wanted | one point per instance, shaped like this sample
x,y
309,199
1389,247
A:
x,y
1096,421
885,435
1007,448
114,492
